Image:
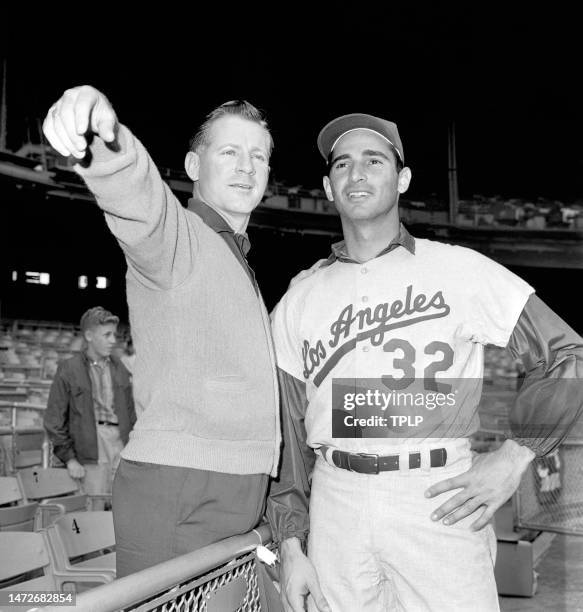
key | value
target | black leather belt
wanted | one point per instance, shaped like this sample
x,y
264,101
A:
x,y
366,463
107,423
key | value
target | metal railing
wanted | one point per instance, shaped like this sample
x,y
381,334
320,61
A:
x,y
550,496
223,576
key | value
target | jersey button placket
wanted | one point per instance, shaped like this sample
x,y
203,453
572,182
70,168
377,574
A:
x,y
363,345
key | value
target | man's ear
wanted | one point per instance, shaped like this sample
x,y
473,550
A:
x,y
88,335
192,165
328,188
404,180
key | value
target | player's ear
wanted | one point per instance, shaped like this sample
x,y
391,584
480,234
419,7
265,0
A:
x,y
192,165
404,180
328,189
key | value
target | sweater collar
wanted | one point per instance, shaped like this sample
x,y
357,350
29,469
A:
x,y
212,219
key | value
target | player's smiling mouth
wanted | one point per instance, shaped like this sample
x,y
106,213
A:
x,y
245,186
358,195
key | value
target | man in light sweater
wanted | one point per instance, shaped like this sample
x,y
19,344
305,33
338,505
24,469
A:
x,y
207,438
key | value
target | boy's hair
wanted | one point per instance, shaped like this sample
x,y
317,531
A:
x,y
97,316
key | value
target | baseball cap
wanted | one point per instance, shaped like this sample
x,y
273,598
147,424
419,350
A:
x,y
340,126
97,316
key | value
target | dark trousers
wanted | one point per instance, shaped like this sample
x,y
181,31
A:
x,y
161,512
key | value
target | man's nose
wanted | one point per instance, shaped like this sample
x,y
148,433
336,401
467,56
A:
x,y
245,164
357,173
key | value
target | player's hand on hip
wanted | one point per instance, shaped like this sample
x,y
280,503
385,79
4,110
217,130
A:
x,y
487,485
81,111
298,578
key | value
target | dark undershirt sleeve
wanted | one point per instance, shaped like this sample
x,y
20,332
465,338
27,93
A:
x,y
550,401
289,494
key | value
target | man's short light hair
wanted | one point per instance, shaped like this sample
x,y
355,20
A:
x,y
239,108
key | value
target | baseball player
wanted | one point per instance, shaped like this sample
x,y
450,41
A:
x,y
380,357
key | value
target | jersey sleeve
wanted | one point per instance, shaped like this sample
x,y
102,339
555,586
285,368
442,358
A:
x,y
285,323
498,297
288,500
550,402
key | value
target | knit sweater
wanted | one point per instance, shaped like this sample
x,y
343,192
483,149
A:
x,y
204,377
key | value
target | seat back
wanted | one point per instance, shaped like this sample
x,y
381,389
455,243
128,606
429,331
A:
x,y
30,442
9,490
52,508
19,517
82,533
41,483
21,554
23,449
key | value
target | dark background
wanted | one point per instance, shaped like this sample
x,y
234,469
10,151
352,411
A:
x,y
509,77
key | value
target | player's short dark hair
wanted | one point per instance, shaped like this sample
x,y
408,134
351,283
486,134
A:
x,y
97,316
398,161
239,108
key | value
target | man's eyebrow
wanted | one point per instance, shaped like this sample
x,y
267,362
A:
x,y
339,157
237,146
373,153
367,152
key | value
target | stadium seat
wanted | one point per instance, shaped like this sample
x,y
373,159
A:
x,y
28,447
15,513
81,545
25,564
56,491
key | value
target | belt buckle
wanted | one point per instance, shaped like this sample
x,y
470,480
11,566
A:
x,y
369,456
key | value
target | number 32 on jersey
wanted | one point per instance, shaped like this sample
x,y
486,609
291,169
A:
x,y
403,358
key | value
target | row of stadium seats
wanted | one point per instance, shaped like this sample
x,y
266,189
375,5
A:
x,y
49,539
31,351
73,554
34,497
24,358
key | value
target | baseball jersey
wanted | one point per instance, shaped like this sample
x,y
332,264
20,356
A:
x,y
412,320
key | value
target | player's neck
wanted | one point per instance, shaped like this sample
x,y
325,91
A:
x,y
365,239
